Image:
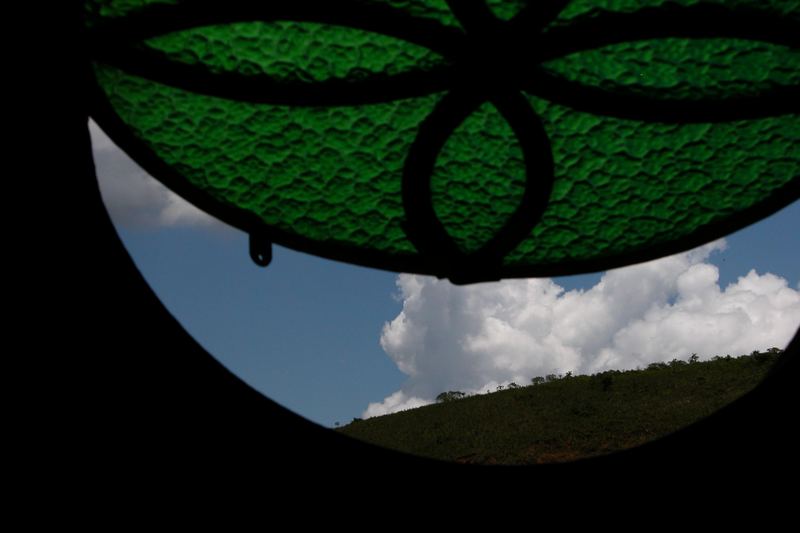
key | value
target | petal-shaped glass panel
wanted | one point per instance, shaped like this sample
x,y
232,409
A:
x,y
506,9
96,10
479,180
594,8
291,51
684,69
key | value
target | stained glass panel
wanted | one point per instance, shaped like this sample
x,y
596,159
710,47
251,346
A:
x,y
464,139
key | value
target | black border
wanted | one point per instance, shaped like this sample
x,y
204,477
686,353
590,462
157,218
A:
x,y
118,404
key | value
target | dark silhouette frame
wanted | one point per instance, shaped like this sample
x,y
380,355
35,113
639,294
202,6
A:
x,y
127,394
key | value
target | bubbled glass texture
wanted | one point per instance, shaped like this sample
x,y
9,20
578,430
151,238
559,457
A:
x,y
333,174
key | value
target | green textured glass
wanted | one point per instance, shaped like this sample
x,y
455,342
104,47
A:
x,y
478,181
256,157
684,68
294,51
506,9
97,10
502,138
592,8
654,182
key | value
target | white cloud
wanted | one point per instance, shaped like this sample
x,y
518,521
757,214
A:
x,y
472,338
398,401
132,197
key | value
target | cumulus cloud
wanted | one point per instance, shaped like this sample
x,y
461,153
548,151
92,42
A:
x,y
399,401
133,197
473,338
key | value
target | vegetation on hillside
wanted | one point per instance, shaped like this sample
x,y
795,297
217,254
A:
x,y
563,418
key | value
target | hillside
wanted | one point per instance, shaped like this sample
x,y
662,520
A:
x,y
562,418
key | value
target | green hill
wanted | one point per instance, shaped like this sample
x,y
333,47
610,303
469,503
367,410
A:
x,y
562,418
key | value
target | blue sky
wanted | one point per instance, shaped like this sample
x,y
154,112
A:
x,y
326,339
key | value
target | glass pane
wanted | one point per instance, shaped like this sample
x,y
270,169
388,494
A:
x,y
327,176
